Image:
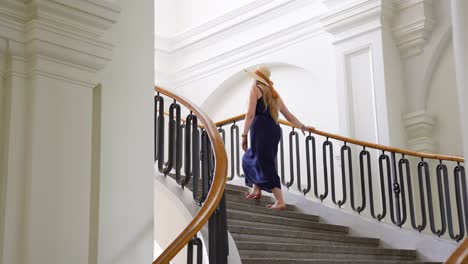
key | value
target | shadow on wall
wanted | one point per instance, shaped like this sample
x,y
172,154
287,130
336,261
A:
x,y
303,92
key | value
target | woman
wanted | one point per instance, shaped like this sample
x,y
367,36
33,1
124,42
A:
x,y
261,120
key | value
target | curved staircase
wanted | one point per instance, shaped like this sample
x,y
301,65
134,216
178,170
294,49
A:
x,y
278,237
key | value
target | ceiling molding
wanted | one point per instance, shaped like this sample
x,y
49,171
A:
x,y
259,11
260,47
357,18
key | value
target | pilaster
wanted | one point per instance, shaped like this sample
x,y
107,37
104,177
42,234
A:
x,y
460,42
363,75
419,126
55,54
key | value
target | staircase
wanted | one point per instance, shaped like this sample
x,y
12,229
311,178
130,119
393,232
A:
x,y
287,237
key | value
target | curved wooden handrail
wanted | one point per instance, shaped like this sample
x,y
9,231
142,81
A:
x,y
217,187
460,255
184,120
357,142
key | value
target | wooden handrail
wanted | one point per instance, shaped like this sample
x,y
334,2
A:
x,y
184,120
357,142
460,255
217,187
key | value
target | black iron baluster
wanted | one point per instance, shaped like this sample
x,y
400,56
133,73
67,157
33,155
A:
x,y
311,139
405,162
223,241
283,180
459,174
222,132
326,145
362,154
423,170
293,134
158,104
182,145
235,152
161,131
177,147
167,166
442,173
429,199
217,238
344,149
192,153
396,186
195,155
383,158
462,178
206,169
197,242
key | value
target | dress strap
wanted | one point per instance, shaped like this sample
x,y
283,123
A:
x,y
260,89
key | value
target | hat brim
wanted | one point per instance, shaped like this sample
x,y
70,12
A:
x,y
256,77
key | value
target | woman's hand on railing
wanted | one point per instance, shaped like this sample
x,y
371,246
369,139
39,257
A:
x,y
305,128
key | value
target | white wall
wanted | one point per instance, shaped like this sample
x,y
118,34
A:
x,y
126,200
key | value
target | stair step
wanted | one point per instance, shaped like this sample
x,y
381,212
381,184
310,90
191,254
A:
x,y
307,248
266,211
315,241
312,227
325,261
306,235
262,202
261,218
266,198
237,188
326,252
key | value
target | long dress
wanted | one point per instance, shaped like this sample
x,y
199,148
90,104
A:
x,y
259,161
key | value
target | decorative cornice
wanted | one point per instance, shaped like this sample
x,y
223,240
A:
x,y
356,18
412,26
257,12
59,38
221,21
260,47
89,17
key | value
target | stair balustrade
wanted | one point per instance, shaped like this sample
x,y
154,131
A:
x,y
199,150
392,184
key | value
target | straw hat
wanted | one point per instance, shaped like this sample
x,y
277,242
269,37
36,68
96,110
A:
x,y
261,74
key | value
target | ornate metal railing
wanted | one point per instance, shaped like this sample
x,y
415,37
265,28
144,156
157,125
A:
x,y
373,179
199,151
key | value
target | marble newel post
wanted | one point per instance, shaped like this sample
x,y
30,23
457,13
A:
x,y
53,52
460,43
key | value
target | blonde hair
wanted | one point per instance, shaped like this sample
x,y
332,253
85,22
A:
x,y
271,103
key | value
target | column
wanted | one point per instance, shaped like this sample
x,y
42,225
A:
x,y
460,42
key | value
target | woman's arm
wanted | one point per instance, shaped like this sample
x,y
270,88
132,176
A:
x,y
290,117
249,116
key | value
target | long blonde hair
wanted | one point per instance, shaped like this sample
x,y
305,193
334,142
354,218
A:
x,y
271,103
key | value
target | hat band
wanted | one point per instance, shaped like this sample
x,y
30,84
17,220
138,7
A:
x,y
270,83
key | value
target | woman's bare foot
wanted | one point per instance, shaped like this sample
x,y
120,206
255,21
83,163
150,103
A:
x,y
277,206
255,193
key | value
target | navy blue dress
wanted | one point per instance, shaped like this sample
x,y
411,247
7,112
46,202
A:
x,y
260,159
